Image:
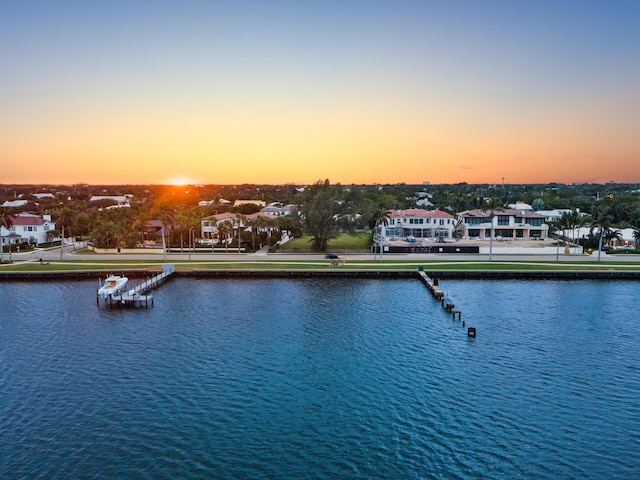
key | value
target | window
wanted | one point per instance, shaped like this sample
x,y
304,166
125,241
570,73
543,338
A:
x,y
503,219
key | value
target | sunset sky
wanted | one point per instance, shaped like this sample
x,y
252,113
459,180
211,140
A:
x,y
293,92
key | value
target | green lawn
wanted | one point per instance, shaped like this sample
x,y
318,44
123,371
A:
x,y
360,241
320,263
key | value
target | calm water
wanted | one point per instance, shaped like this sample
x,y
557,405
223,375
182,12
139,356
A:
x,y
321,379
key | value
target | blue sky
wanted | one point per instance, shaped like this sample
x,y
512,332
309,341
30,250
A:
x,y
223,92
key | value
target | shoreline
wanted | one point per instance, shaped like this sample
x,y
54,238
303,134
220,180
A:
x,y
368,273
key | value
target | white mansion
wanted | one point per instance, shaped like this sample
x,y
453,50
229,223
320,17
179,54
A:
x,y
507,223
419,223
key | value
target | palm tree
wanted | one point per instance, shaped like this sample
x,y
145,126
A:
x,y
65,220
565,222
555,227
636,235
6,221
270,224
240,218
251,223
165,213
381,220
602,223
493,205
576,221
612,234
224,228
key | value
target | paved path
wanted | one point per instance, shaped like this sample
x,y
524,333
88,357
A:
x,y
71,253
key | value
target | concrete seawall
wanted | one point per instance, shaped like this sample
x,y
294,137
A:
x,y
374,274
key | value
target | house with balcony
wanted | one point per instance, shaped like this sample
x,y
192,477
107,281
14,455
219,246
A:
x,y
508,223
419,223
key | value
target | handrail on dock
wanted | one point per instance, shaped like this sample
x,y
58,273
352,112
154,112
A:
x,y
143,288
140,294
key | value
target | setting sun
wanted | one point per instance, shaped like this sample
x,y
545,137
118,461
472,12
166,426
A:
x,y
179,181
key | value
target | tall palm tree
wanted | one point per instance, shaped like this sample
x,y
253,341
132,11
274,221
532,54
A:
x,y
166,214
270,224
65,220
224,228
555,227
493,206
601,223
576,221
240,219
251,223
565,223
6,221
381,220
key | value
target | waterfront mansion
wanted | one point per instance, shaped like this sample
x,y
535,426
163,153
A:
x,y
507,223
419,223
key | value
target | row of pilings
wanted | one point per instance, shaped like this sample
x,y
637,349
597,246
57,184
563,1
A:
x,y
438,294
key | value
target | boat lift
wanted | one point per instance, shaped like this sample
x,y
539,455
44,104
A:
x,y
140,295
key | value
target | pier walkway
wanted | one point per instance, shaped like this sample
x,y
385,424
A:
x,y
140,294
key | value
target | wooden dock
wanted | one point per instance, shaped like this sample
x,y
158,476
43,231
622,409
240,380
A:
x,y
434,288
141,295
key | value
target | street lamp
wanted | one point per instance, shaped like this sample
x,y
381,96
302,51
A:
x,y
190,230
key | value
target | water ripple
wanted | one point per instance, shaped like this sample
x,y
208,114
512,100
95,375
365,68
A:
x,y
322,379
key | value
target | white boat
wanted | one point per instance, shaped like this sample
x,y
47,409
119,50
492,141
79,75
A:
x,y
113,285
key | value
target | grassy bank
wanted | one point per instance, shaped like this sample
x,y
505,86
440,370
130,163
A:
x,y
321,264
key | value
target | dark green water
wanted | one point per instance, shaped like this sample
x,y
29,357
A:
x,y
321,379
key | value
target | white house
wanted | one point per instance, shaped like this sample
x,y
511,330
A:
x,y
419,223
507,223
209,225
15,203
28,228
552,215
277,210
121,199
520,205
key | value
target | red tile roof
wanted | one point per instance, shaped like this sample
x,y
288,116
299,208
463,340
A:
x,y
419,212
28,220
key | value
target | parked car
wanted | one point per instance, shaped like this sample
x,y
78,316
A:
x,y
332,256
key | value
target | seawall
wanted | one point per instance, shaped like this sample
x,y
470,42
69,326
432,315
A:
x,y
374,274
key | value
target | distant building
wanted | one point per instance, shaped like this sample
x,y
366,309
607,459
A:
x,y
15,203
121,199
260,203
519,205
278,211
552,215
